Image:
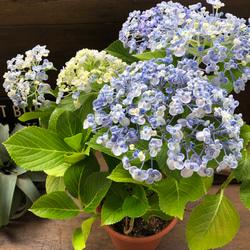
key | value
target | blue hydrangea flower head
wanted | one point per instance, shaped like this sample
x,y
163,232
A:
x,y
218,44
165,105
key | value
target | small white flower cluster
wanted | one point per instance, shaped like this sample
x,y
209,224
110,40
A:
x,y
85,71
24,82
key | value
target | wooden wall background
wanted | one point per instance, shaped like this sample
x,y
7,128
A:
x,y
67,26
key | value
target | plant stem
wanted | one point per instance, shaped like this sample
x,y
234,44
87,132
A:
x,y
131,226
226,182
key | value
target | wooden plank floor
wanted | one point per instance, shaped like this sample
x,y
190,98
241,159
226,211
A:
x,y
33,233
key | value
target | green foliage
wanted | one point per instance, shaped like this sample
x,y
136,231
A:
x,y
207,183
95,188
56,205
75,142
76,175
174,195
36,114
245,134
242,172
154,209
111,161
151,55
136,204
37,149
68,124
81,234
87,106
112,210
57,171
212,224
54,118
245,193
54,184
116,49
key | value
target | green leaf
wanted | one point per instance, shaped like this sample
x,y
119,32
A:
x,y
77,240
87,106
162,162
54,118
174,195
74,158
33,115
151,55
112,211
116,49
74,142
242,172
76,175
28,187
57,205
54,184
58,171
67,103
245,193
111,162
37,149
44,121
154,209
95,188
7,188
68,124
245,134
207,183
81,234
137,204
212,224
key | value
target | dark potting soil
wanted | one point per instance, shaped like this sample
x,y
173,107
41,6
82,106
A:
x,y
141,227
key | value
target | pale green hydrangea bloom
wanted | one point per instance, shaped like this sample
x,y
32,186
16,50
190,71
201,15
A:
x,y
87,71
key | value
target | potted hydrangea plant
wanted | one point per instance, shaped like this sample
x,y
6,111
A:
x,y
158,105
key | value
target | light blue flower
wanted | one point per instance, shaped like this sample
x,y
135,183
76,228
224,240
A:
x,y
146,133
154,146
153,175
175,160
189,168
138,174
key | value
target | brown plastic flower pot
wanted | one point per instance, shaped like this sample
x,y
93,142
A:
x,y
123,242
